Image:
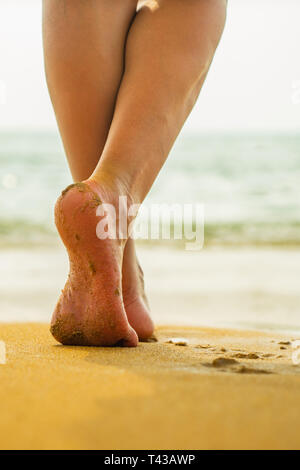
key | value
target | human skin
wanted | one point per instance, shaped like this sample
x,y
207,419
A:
x,y
84,46
128,111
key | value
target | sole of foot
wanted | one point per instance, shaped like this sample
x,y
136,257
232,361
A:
x,y
90,310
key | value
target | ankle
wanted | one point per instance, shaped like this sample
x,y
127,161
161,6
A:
x,y
118,209
116,174
112,179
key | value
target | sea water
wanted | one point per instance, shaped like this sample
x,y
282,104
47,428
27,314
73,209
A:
x,y
249,185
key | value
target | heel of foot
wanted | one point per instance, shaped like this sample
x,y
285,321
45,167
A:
x,y
74,338
90,311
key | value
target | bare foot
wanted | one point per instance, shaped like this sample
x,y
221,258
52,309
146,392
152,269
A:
x,y
134,297
90,310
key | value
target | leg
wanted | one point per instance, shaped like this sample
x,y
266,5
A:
x,y
84,59
169,49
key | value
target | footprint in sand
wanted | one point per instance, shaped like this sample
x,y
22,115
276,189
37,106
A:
x,y
248,370
224,363
246,356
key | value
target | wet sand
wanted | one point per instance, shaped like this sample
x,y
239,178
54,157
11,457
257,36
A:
x,y
217,389
228,288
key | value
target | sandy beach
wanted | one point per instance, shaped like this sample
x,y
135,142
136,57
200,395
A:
x,y
246,288
158,103
233,385
224,389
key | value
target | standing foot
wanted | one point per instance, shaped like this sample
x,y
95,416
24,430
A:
x,y
134,296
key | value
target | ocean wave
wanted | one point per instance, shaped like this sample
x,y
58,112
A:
x,y
249,185
25,232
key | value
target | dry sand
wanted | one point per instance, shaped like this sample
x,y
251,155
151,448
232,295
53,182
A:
x,y
158,396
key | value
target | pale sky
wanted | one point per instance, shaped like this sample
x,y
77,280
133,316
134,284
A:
x,y
254,82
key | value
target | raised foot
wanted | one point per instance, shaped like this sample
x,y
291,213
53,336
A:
x,y
90,311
